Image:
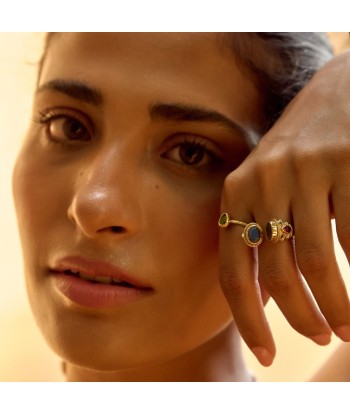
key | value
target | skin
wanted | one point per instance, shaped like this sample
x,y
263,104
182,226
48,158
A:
x,y
127,195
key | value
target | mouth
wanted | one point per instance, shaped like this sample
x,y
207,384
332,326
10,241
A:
x,y
97,272
96,284
98,279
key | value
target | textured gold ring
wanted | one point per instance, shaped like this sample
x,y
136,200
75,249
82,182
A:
x,y
278,230
252,233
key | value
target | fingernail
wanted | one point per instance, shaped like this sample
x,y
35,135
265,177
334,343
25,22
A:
x,y
343,332
264,357
321,339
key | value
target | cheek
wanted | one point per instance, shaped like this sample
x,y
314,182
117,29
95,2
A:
x,y
39,200
191,213
27,196
191,252
184,237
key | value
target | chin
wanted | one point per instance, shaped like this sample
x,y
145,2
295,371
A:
x,y
111,342
91,343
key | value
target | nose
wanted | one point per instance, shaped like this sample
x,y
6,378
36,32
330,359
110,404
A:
x,y
105,197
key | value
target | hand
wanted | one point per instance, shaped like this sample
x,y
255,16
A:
x,y
299,172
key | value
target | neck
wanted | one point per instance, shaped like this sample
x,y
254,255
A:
x,y
218,360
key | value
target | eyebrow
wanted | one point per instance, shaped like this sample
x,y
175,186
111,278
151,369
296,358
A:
x,y
187,113
167,111
75,89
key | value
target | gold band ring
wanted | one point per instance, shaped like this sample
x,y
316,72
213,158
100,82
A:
x,y
252,233
278,230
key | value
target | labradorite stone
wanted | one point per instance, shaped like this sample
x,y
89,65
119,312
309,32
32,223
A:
x,y
254,234
269,231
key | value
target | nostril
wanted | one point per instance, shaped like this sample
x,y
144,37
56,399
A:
x,y
117,229
113,229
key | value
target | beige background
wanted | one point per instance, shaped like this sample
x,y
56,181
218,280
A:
x,y
24,355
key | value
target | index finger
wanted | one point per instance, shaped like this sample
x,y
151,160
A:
x,y
239,282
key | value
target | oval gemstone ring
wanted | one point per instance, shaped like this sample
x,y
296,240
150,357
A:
x,y
252,233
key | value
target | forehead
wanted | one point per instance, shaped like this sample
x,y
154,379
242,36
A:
x,y
193,68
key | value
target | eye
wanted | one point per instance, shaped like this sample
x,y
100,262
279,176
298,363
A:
x,y
63,126
67,128
190,152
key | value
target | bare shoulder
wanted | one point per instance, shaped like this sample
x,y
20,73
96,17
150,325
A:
x,y
336,368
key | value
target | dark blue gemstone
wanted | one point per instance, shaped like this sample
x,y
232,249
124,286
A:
x,y
254,234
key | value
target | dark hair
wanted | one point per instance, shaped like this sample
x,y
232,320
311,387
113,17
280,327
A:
x,y
280,63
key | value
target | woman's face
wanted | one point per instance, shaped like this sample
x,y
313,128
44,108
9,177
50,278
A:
x,y
133,135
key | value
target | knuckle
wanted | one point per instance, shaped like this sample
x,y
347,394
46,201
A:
x,y
273,159
267,173
304,160
232,186
231,283
275,281
233,180
311,261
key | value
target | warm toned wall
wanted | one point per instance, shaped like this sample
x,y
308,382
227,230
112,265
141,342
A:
x,y
24,355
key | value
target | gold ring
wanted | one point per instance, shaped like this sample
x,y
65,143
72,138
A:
x,y
252,233
278,230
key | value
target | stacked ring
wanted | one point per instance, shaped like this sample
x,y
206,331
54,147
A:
x,y
252,233
278,230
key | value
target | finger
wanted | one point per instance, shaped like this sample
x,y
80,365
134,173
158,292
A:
x,y
317,262
341,203
279,275
238,277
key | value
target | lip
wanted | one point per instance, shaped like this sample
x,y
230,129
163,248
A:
x,y
91,294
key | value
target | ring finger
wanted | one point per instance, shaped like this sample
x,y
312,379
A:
x,y
279,275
